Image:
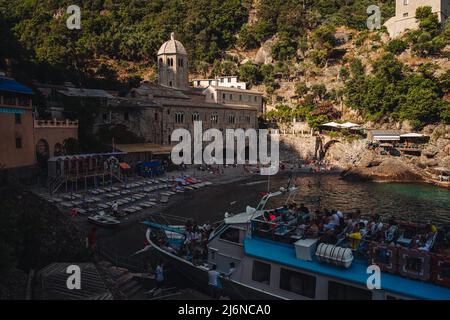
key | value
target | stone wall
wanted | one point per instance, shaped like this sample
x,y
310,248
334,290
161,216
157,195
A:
x,y
296,147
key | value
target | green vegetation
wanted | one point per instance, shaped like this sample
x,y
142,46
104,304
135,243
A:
x,y
394,90
397,46
131,30
119,35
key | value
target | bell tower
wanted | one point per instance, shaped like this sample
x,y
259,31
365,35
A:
x,y
173,68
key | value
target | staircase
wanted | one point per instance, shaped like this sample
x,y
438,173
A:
x,y
122,282
55,183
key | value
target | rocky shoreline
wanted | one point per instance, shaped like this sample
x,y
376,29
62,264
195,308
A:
x,y
358,163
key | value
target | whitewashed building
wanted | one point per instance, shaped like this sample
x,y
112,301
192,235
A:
x,y
228,82
405,14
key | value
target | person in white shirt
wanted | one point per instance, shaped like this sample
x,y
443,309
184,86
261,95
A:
x,y
213,281
231,270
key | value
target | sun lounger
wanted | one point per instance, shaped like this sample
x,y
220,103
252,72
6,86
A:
x,y
164,199
67,204
81,211
77,203
145,205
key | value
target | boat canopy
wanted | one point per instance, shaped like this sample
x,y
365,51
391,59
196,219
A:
x,y
164,227
244,217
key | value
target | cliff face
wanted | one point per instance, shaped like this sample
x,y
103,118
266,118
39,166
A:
x,y
376,167
358,162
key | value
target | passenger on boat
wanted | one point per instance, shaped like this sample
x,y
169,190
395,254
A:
x,y
313,230
375,228
391,235
231,270
430,237
303,213
333,220
355,237
329,237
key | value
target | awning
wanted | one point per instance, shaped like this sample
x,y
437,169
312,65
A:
x,y
412,135
124,166
143,148
386,145
12,110
386,138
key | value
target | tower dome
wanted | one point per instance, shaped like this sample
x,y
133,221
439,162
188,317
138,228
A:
x,y
173,68
172,46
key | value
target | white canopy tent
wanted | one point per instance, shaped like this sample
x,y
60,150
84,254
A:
x,y
349,125
331,124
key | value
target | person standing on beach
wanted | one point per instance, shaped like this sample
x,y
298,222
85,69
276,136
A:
x,y
213,282
92,239
159,275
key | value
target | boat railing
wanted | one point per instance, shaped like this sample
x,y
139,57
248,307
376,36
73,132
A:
x,y
137,263
279,231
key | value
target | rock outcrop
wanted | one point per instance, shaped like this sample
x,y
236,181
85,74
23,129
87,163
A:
x,y
373,168
264,54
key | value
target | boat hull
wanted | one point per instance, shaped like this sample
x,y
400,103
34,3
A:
x,y
197,276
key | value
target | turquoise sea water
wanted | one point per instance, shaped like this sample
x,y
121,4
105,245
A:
x,y
414,202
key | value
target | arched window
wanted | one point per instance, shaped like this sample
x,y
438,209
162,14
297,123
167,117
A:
x,y
160,61
42,150
59,150
179,117
195,116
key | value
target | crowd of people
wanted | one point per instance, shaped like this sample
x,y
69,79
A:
x,y
195,243
351,229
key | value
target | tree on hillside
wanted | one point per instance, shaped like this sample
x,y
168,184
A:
x,y
427,40
301,88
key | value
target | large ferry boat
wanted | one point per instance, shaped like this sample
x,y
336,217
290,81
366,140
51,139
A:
x,y
273,255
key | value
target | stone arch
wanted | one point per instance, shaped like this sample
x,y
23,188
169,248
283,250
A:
x,y
58,150
42,152
326,147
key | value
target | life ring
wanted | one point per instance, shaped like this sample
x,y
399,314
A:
x,y
415,264
385,256
440,270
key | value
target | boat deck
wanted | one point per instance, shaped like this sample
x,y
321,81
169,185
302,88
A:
x,y
284,254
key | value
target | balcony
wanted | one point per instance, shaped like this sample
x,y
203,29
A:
x,y
55,123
